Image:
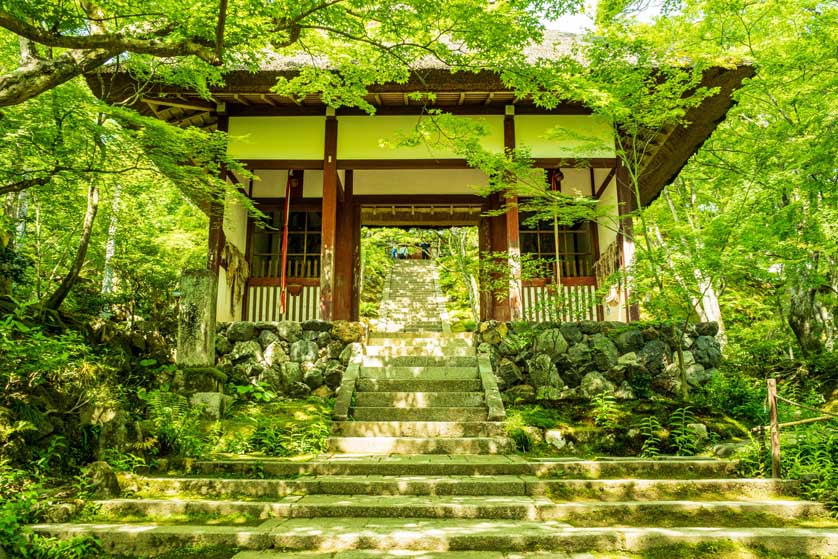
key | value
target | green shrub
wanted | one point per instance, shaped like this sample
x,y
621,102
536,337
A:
x,y
177,425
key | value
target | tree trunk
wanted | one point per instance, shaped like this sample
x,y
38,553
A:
x,y
69,280
110,247
803,315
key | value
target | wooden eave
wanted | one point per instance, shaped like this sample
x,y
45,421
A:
x,y
249,94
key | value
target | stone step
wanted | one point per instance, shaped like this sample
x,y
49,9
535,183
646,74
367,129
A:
x,y
403,351
418,414
670,513
421,445
428,343
420,361
419,373
560,490
418,428
375,336
343,534
419,385
420,399
475,465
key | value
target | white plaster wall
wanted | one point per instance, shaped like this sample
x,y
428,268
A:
x,y
608,223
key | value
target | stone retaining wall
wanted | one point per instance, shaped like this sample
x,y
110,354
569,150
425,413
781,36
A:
x,y
294,359
579,360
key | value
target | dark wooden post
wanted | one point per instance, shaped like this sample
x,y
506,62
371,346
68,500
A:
x,y
357,277
329,217
775,428
215,246
344,253
516,311
484,243
498,240
626,204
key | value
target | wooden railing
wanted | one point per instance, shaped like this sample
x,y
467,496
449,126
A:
x,y
774,424
608,264
302,301
575,300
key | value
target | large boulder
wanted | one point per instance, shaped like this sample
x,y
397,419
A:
x,y
302,350
334,374
288,331
213,404
267,337
290,373
313,378
101,481
603,352
707,352
707,328
550,342
630,341
242,331
317,326
508,373
595,383
543,373
222,345
249,351
654,356
571,332
512,345
522,393
348,332
492,331
274,354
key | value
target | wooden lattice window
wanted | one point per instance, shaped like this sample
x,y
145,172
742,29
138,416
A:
x,y
304,239
575,247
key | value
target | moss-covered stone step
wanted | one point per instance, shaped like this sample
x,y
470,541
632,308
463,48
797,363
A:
x,y
418,428
342,534
419,372
630,513
386,413
560,490
479,465
397,351
420,399
375,336
420,361
420,342
418,385
422,445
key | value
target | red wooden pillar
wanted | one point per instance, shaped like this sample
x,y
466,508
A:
x,y
329,218
355,313
515,304
626,203
484,243
344,253
499,246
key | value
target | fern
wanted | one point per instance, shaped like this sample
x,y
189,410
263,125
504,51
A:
x,y
177,424
605,411
682,436
650,429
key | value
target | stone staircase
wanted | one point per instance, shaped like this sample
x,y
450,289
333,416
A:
x,y
422,393
455,507
420,469
412,301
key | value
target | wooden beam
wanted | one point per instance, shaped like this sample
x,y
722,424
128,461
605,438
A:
x,y
570,162
419,199
357,277
605,183
458,107
484,244
329,220
190,104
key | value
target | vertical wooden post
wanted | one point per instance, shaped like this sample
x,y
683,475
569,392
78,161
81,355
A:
x,y
498,240
626,204
216,239
775,428
329,217
357,273
513,245
484,242
344,249
594,231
